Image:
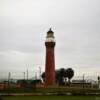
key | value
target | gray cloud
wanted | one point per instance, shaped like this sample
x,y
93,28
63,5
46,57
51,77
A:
x,y
23,27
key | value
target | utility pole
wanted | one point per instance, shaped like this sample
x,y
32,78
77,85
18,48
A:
x,y
99,82
9,77
24,75
83,80
35,75
27,74
40,72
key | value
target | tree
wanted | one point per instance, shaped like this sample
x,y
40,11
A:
x,y
61,75
43,76
69,74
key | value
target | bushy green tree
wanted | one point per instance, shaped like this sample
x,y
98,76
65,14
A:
x,y
69,74
61,75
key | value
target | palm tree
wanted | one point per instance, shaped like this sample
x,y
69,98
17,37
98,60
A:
x,y
69,74
60,75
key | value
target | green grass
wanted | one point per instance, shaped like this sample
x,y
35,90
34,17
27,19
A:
x,y
18,90
51,89
51,98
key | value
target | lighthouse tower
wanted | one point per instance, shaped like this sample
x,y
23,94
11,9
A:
x,y
50,59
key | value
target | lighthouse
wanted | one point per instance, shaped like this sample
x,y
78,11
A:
x,y
50,59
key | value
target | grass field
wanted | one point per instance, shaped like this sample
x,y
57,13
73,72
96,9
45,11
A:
x,y
50,98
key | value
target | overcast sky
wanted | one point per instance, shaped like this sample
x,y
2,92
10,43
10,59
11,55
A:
x,y
23,27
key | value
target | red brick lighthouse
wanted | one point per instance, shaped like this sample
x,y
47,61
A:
x,y
50,59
